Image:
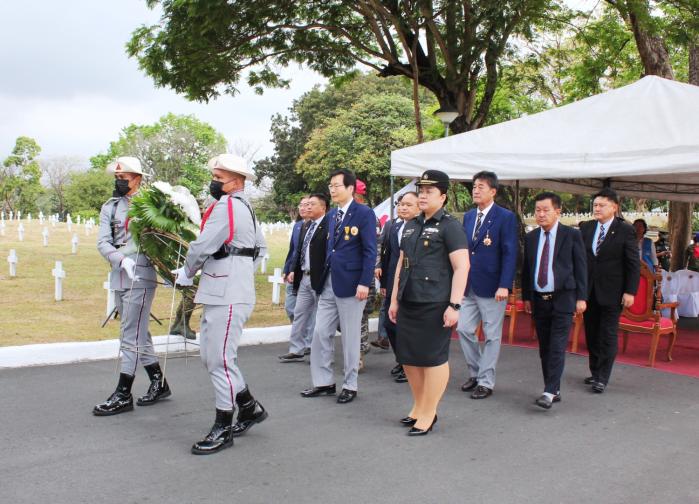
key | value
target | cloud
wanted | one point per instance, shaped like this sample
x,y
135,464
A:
x,y
68,83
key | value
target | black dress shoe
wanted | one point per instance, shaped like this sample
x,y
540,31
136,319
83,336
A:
x,y
291,357
590,380
381,343
408,421
414,431
158,388
346,396
219,437
120,401
307,351
398,368
481,392
319,391
544,402
599,387
470,384
250,412
400,378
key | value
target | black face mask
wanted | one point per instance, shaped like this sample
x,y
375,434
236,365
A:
x,y
216,189
121,188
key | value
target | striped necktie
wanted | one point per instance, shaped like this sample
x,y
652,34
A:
x,y
306,241
338,223
478,225
543,276
600,238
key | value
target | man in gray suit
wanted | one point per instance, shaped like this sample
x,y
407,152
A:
x,y
133,279
226,251
348,273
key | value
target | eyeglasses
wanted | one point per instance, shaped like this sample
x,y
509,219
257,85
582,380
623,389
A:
x,y
335,186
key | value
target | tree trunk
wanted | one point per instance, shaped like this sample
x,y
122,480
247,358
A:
x,y
680,224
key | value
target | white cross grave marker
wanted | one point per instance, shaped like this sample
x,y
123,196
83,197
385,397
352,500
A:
x,y
74,244
276,280
45,235
59,273
20,231
41,217
2,228
69,223
111,298
11,215
29,217
19,215
12,259
263,263
78,220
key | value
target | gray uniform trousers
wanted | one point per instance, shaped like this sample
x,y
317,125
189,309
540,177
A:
x,y
304,317
331,310
136,343
289,301
221,329
481,362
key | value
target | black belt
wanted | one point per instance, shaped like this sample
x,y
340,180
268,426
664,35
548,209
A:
x,y
546,296
227,250
247,252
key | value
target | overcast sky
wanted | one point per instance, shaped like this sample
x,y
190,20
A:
x,y
66,81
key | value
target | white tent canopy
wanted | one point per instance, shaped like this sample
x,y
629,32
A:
x,y
641,139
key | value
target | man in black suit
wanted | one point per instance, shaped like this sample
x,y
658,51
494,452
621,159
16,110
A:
x,y
613,269
554,285
390,251
306,274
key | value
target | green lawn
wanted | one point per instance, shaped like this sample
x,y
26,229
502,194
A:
x,y
29,314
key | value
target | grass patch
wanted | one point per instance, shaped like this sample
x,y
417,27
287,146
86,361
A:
x,y
29,314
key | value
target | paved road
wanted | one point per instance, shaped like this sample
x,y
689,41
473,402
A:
x,y
639,442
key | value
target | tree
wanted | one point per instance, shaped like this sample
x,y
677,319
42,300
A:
x,y
175,149
204,48
291,132
20,184
361,139
87,192
57,172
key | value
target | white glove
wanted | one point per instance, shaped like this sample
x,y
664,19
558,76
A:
x,y
181,277
129,267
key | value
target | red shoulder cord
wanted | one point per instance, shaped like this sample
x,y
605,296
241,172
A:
x,y
231,226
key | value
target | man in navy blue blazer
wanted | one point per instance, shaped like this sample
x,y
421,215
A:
x,y
492,243
290,299
349,271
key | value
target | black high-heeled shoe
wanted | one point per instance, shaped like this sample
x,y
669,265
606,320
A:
x,y
408,421
414,431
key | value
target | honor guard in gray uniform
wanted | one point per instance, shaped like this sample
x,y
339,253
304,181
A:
x,y
133,279
226,251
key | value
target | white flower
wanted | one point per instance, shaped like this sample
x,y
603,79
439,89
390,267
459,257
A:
x,y
181,197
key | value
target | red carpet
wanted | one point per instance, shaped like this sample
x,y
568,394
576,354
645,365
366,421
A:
x,y
685,355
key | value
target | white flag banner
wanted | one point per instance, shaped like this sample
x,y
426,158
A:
x,y
383,210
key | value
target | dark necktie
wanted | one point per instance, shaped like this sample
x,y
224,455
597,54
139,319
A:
x,y
600,239
338,223
543,277
306,241
478,225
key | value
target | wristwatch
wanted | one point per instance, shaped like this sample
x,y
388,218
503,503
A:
x,y
457,307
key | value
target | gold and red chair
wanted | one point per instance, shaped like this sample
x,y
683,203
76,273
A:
x,y
644,315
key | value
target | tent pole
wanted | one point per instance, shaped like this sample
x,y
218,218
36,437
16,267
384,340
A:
x,y
517,202
391,213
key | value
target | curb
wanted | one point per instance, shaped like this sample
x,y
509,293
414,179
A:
x,y
67,353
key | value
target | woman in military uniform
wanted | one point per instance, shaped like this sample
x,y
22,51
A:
x,y
429,283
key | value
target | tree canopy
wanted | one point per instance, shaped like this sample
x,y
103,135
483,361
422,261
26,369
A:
x,y
203,48
20,177
175,149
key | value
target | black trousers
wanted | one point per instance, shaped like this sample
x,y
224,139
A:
x,y
601,328
388,325
553,330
